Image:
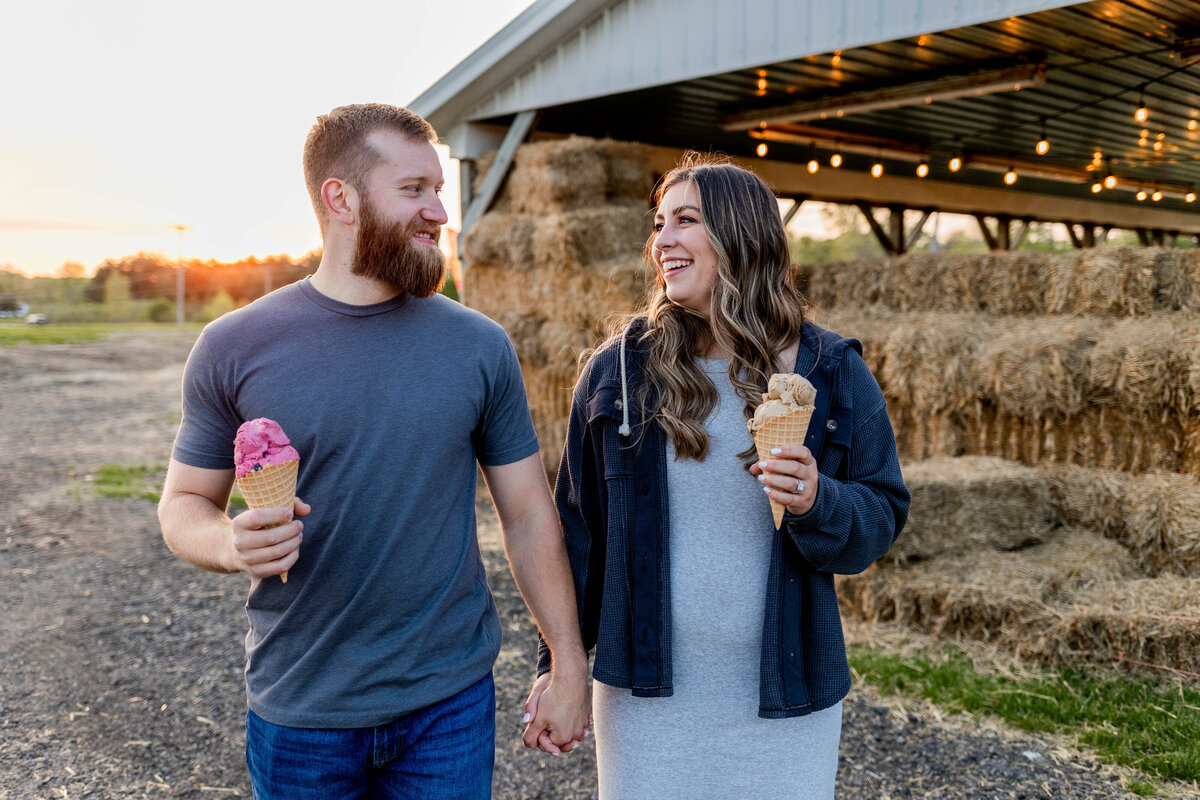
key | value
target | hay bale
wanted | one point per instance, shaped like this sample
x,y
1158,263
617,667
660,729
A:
x,y
1155,621
1155,515
1037,367
575,239
965,503
1011,598
578,172
1145,364
927,360
501,239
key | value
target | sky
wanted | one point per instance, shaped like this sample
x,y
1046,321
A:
x,y
119,119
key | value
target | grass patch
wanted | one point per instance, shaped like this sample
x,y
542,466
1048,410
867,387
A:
x,y
1136,722
13,334
144,482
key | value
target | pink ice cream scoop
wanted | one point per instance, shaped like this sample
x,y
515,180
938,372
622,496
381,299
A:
x,y
260,443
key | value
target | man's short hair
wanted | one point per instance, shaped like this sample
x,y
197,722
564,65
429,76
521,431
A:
x,y
337,146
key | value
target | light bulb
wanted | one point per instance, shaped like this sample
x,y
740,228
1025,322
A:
x,y
1110,182
1096,187
1141,195
1156,196
835,160
1010,177
955,164
761,150
1043,147
813,166
876,169
1190,197
1141,114
922,169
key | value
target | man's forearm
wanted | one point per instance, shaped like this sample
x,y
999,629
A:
x,y
197,531
539,565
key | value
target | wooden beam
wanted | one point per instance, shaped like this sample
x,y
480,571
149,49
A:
x,y
1004,231
986,231
876,228
797,201
847,186
1075,237
517,133
896,228
915,232
1025,223
1089,235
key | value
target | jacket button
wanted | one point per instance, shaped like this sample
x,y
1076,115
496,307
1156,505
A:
x,y
831,425
619,404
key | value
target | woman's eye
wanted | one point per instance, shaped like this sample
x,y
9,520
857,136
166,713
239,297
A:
x,y
658,226
683,220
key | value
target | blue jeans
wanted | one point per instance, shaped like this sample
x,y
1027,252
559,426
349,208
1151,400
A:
x,y
443,751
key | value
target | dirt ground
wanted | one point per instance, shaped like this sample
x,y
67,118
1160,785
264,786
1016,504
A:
x,y
121,666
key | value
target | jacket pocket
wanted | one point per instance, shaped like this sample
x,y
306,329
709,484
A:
x,y
839,431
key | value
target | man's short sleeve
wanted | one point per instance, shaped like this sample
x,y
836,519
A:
x,y
505,433
209,422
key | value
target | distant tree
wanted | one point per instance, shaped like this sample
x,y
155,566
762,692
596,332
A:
x,y
118,299
9,303
221,304
71,269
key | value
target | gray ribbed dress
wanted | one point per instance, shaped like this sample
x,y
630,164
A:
x,y
707,740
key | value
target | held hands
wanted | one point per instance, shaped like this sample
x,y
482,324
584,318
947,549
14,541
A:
x,y
266,541
789,477
557,713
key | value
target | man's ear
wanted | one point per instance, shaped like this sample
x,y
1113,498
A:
x,y
341,200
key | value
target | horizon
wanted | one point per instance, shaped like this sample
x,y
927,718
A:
x,y
133,117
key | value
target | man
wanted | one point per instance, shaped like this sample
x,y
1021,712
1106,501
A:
x,y
369,671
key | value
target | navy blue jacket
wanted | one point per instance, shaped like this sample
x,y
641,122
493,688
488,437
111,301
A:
x,y
611,493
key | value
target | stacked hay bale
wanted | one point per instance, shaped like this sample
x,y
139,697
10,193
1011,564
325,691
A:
x,y
1047,408
558,254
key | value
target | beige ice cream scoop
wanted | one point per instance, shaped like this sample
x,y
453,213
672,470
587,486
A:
x,y
782,418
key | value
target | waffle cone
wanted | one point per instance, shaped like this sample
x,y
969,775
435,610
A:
x,y
273,486
789,428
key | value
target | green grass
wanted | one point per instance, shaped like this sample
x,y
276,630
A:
x,y
144,482
15,332
1136,722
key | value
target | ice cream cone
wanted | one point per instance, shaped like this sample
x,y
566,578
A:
x,y
789,428
273,486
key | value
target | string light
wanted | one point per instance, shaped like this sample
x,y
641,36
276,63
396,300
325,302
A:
x,y
955,163
835,160
1141,195
1156,196
813,166
922,169
1043,145
1096,187
761,150
1190,197
1141,114
877,169
1010,177
1110,180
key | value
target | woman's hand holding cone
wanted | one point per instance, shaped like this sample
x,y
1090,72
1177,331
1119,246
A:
x,y
789,477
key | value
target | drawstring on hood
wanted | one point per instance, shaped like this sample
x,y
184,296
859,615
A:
x,y
624,430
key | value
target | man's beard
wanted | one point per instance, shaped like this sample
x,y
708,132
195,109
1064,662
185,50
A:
x,y
386,252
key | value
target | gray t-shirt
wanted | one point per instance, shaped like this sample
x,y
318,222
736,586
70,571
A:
x,y
390,406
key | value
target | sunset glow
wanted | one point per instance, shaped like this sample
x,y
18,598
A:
x,y
133,116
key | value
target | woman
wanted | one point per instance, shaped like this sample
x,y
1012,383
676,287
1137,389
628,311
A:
x,y
720,665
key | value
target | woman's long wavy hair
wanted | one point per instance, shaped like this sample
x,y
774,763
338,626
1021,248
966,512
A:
x,y
756,312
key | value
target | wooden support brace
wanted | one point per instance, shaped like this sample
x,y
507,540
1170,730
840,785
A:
x,y
1022,233
915,232
988,237
1074,236
876,228
797,201
517,133
1089,235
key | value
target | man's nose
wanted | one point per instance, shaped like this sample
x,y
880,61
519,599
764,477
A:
x,y
435,212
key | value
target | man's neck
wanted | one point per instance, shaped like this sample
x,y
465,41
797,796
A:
x,y
337,282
